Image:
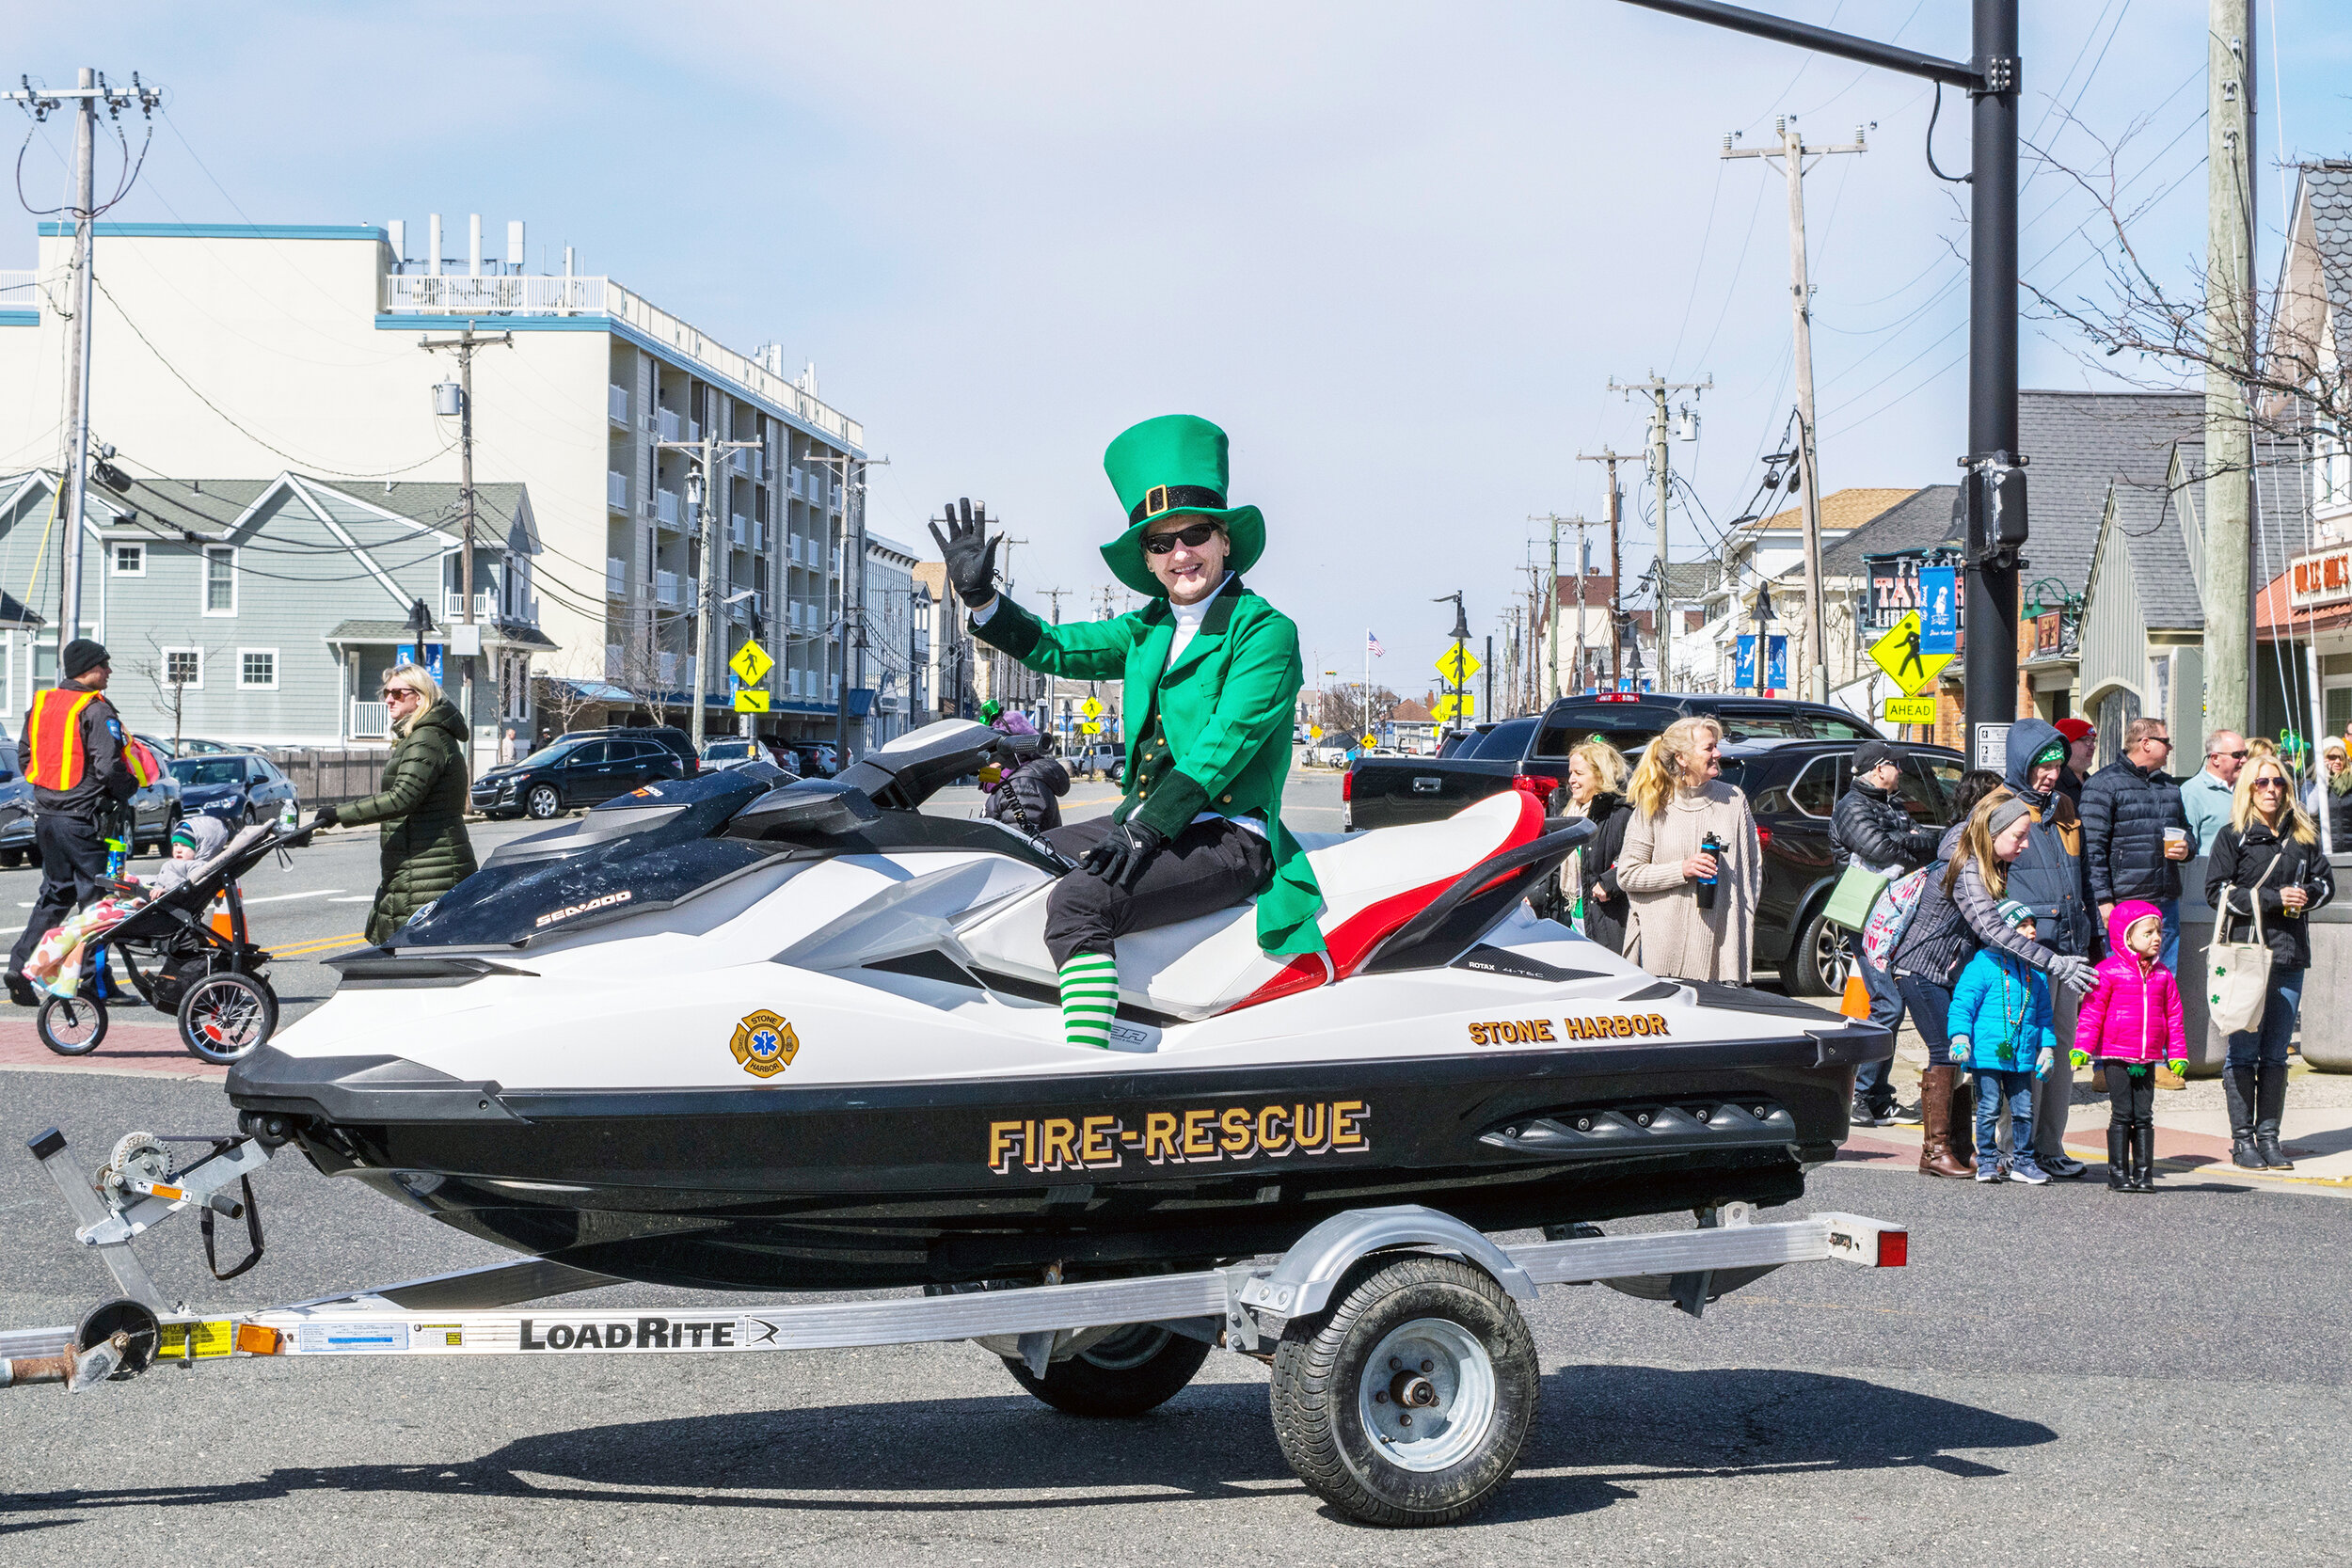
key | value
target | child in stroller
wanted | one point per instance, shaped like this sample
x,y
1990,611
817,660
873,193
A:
x,y
55,966
174,954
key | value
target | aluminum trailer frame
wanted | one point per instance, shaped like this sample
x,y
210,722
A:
x,y
1244,1308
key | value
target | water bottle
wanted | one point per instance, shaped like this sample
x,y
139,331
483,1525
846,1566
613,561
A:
x,y
288,815
1710,844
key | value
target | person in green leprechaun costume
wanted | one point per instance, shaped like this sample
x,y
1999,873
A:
x,y
1212,675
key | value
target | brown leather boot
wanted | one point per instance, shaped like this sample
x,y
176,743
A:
x,y
1935,1107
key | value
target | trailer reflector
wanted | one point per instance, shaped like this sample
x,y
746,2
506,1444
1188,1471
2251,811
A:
x,y
1894,1248
256,1339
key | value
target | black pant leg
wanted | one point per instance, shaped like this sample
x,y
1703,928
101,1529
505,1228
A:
x,y
2144,1099
73,859
1207,867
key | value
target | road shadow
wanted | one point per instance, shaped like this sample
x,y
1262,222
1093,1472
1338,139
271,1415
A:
x,y
1603,1431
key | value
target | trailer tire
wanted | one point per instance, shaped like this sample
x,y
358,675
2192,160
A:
x,y
1136,1370
1340,1374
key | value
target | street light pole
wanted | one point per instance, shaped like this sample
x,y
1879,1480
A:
x,y
1994,495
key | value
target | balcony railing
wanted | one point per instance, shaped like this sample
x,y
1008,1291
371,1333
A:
x,y
614,659
19,291
666,506
484,604
739,532
525,294
669,424
669,588
616,490
616,404
370,721
616,577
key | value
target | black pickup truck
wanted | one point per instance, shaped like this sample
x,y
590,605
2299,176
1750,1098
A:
x,y
1382,792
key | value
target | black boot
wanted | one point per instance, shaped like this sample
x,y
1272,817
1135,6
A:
x,y
2238,1087
2143,1158
2270,1102
2119,1162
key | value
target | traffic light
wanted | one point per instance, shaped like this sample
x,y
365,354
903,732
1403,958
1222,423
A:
x,y
1992,501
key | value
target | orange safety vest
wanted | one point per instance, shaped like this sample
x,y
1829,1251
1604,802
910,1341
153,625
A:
x,y
56,726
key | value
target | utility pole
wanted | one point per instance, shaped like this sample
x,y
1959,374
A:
x,y
470,646
852,539
1056,595
1616,578
1993,498
704,454
2229,432
1792,153
87,95
1662,476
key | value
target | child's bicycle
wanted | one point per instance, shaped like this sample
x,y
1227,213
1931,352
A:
x,y
212,983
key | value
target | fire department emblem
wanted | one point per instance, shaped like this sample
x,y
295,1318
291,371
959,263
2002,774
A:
x,y
765,1044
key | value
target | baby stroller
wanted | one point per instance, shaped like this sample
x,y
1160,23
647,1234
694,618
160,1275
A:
x,y
212,983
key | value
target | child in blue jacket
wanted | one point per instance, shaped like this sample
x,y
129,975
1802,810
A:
x,y
2000,1025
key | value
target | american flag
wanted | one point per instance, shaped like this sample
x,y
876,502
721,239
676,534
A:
x,y
1372,646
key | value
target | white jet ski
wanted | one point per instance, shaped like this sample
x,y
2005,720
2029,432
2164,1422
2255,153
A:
x,y
726,1033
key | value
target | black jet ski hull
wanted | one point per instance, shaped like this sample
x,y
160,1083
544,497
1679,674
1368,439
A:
x,y
857,1186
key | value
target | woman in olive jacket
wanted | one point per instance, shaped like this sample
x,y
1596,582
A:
x,y
2269,857
421,801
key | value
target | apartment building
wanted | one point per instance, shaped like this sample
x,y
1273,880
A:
x,y
255,349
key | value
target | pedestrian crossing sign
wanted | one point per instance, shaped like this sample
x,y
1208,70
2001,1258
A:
x,y
1899,653
1089,727
1091,707
750,699
751,663
1457,664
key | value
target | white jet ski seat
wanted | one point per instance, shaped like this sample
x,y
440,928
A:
x,y
1373,883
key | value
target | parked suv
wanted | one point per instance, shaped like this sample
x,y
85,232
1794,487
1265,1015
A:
x,y
677,740
239,787
1096,759
580,772
1792,786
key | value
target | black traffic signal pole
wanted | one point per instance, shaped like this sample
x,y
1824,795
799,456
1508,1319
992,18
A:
x,y
1994,495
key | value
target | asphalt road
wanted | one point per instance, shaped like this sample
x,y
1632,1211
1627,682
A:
x,y
2061,1375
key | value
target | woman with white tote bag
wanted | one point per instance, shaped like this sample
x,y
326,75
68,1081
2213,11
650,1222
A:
x,y
2266,867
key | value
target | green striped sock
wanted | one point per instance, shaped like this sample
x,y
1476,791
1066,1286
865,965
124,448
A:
x,y
1090,995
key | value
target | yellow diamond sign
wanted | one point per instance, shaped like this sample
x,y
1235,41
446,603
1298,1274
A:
x,y
750,665
1898,653
1457,664
1091,707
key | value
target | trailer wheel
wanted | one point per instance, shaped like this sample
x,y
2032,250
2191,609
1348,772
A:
x,y
1408,1400
1140,1368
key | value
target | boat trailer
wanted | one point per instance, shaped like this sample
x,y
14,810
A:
x,y
1414,1308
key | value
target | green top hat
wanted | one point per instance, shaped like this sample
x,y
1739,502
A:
x,y
1165,467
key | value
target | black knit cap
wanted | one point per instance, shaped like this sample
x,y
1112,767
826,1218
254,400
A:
x,y
1869,753
82,655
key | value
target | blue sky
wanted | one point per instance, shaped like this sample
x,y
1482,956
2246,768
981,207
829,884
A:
x,y
1398,251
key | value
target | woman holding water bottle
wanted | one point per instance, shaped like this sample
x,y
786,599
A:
x,y
1691,867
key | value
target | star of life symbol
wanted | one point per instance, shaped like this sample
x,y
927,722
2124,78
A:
x,y
765,1044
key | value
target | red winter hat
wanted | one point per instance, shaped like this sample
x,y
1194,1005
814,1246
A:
x,y
2076,729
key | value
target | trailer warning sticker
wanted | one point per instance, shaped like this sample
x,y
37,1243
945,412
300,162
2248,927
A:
x,y
351,1339
199,1341
1201,1135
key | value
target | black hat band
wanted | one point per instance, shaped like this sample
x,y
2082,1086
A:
x,y
1169,497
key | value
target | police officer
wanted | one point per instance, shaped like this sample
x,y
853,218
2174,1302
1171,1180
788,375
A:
x,y
71,753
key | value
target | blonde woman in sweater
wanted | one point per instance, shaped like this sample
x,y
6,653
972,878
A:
x,y
1678,800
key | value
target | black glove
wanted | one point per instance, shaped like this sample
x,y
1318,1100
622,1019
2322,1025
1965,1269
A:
x,y
970,554
1120,859
323,817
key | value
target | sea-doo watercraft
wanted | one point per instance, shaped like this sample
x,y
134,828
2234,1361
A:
x,y
724,1034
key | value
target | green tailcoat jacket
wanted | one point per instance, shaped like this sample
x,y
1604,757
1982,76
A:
x,y
1226,709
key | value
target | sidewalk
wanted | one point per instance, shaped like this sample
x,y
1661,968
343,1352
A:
x,y
138,1043
2192,1126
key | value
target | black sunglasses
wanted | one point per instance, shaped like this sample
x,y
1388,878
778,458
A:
x,y
2240,757
1191,538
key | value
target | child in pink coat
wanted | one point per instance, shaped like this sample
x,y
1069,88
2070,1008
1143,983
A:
x,y
2130,1022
